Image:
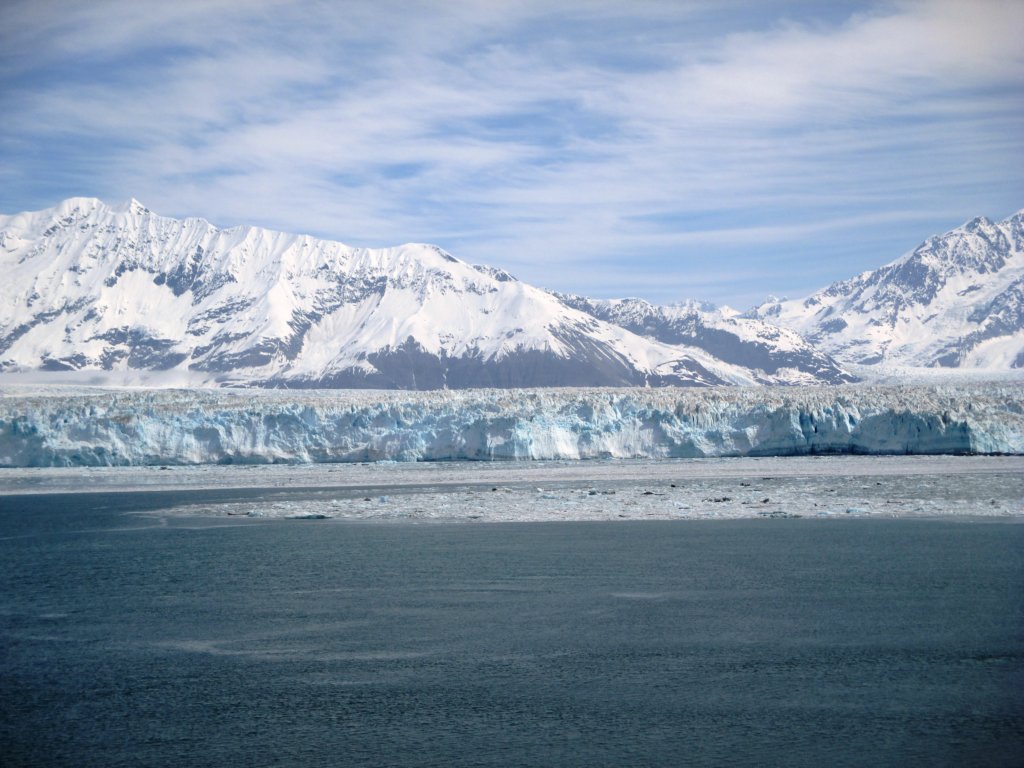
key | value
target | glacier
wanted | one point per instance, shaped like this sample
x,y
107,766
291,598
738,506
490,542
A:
x,y
67,427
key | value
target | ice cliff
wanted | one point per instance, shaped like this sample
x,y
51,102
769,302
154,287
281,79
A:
x,y
81,427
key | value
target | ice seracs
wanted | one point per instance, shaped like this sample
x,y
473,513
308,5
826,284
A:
x,y
67,427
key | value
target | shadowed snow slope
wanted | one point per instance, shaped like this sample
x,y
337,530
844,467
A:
x,y
65,427
90,287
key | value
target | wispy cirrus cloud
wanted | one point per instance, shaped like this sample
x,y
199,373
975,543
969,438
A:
x,y
795,143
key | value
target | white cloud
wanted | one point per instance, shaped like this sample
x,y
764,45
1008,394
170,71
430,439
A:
x,y
515,130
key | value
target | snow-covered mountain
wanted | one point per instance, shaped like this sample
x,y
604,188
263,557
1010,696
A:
x,y
94,287
739,340
957,300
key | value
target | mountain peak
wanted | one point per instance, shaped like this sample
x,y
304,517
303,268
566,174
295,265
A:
x,y
72,205
957,300
977,223
130,206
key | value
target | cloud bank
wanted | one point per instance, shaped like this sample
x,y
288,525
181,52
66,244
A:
x,y
668,150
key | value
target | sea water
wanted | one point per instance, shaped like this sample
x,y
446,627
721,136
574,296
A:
x,y
128,640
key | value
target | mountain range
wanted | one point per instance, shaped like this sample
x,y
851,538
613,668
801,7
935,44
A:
x,y
93,287
955,301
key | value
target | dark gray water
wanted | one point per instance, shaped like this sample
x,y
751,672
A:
x,y
129,641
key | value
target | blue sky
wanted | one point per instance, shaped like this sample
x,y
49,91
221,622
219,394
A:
x,y
670,150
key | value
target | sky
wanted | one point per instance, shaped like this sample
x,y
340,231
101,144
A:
x,y
723,151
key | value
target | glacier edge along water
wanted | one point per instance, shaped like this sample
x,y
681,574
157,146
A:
x,y
82,427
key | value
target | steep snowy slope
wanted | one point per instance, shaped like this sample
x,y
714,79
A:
x,y
93,287
957,300
774,353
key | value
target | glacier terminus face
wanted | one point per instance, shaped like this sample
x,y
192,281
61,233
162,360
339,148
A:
x,y
93,427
